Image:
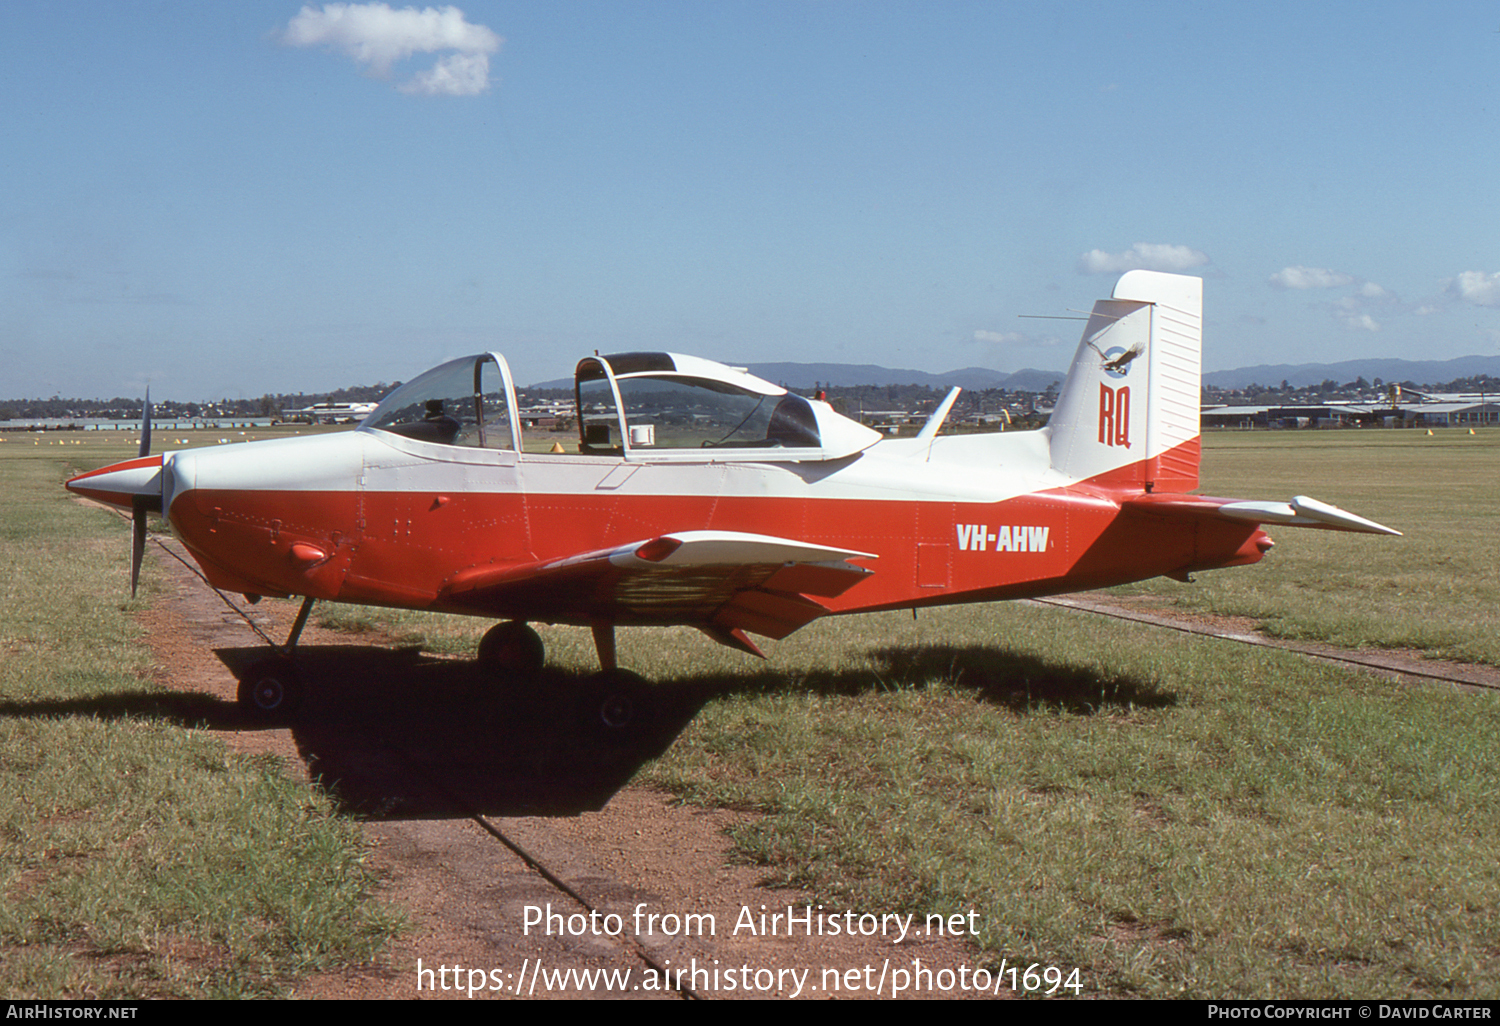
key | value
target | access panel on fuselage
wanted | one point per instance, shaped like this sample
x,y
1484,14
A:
x,y
423,519
269,541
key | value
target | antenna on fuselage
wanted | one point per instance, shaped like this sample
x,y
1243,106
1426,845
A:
x,y
935,422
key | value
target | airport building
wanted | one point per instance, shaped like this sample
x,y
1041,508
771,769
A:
x,y
1413,409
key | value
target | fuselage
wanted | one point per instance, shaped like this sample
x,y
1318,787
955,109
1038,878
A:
x,y
371,517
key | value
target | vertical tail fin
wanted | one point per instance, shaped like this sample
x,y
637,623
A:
x,y
1128,412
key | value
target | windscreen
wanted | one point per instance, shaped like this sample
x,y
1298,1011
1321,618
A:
x,y
462,402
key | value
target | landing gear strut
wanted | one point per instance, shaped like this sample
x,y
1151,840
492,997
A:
x,y
271,689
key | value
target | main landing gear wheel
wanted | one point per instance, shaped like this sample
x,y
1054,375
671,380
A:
x,y
271,690
512,647
615,701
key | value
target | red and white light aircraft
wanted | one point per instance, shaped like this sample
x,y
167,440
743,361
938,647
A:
x,y
699,494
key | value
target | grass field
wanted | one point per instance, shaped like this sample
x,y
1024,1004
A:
x,y
1436,589
139,857
1173,816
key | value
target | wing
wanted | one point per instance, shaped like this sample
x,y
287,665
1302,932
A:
x,y
724,582
1300,512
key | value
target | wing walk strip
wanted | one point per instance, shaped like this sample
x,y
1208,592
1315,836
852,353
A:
x,y
1326,653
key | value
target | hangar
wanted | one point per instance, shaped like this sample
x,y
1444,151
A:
x,y
1426,411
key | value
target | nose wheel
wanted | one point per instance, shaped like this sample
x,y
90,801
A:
x,y
271,690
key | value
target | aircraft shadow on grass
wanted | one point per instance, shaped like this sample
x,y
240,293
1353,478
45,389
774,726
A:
x,y
396,734
1019,683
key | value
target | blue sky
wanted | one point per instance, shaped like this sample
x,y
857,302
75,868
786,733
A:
x,y
230,199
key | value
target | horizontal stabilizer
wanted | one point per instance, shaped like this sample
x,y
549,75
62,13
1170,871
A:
x,y
1302,511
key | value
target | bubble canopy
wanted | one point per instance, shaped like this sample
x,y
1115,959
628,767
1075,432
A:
x,y
669,406
641,406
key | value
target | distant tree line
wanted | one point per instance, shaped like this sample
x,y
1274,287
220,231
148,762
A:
x,y
849,399
268,405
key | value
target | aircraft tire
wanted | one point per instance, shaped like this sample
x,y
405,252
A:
x,y
270,691
615,702
512,648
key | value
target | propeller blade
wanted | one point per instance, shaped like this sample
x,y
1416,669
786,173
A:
x,y
138,506
137,541
136,484
146,424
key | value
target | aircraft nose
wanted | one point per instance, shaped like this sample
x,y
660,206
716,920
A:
x,y
128,484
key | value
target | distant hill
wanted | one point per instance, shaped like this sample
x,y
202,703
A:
x,y
803,376
1420,372
850,375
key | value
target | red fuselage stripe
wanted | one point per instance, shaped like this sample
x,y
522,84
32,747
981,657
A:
x,y
402,548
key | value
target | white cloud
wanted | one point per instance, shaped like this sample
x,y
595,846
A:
x,y
1000,337
1016,339
1354,309
1148,256
455,75
1311,278
378,36
1476,287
